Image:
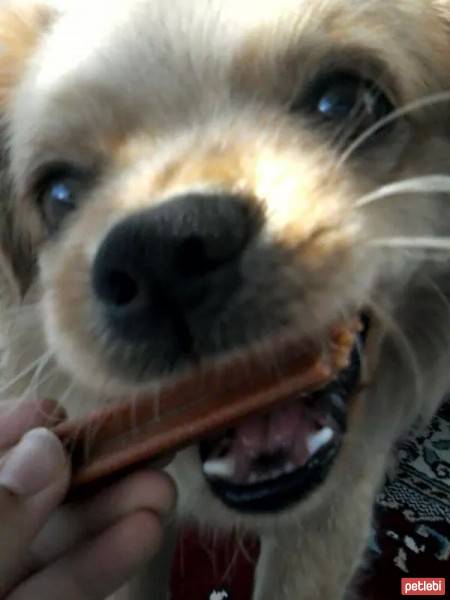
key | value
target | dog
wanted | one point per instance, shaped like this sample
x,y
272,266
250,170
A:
x,y
188,180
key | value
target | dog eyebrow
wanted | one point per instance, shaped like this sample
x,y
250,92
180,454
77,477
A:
x,y
362,61
302,61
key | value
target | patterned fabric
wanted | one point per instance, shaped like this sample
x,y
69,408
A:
x,y
411,536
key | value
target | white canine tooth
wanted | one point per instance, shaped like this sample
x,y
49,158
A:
x,y
219,467
315,441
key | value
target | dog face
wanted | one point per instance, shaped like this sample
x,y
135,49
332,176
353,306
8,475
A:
x,y
189,180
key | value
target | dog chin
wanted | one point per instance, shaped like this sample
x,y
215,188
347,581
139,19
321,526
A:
x,y
195,492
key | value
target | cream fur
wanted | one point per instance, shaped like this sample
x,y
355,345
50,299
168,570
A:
x,y
166,97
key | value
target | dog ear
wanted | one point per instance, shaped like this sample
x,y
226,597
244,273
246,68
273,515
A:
x,y
21,26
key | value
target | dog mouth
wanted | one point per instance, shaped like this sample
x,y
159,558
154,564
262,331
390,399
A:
x,y
269,462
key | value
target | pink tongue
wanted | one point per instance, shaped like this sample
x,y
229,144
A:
x,y
284,429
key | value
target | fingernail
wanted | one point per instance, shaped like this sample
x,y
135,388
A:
x,y
33,464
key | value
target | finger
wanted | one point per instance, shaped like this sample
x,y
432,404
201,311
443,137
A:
x,y
144,490
18,417
34,477
99,567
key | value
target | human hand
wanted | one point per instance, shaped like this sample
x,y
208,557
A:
x,y
83,550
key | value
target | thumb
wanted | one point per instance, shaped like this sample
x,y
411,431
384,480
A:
x,y
34,476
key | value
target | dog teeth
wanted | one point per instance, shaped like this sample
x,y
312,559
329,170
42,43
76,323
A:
x,y
225,468
219,467
318,440
256,477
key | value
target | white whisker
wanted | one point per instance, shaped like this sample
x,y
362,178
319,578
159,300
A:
x,y
38,378
69,389
428,184
414,243
402,342
26,371
393,116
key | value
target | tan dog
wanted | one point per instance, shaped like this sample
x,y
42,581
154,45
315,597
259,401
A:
x,y
186,179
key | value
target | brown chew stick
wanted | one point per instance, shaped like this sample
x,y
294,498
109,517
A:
x,y
207,400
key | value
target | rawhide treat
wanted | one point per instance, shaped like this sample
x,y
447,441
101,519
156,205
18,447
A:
x,y
210,397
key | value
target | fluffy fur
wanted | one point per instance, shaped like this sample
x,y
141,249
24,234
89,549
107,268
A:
x,y
160,98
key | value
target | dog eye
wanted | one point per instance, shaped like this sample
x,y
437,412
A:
x,y
58,196
348,101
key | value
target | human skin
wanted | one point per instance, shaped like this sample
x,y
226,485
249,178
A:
x,y
84,550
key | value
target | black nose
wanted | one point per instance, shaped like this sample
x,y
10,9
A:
x,y
159,270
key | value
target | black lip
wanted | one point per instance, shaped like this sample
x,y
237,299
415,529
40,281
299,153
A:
x,y
278,494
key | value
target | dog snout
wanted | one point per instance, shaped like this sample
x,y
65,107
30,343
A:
x,y
166,264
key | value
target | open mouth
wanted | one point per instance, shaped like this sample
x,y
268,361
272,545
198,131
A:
x,y
269,462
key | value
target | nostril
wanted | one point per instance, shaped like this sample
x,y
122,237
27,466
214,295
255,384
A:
x,y
119,288
173,263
